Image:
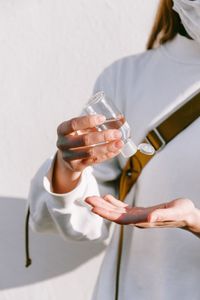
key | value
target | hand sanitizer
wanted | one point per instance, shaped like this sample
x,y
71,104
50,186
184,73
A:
x,y
101,104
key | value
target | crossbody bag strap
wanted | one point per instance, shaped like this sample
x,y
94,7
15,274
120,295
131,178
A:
x,y
158,137
28,259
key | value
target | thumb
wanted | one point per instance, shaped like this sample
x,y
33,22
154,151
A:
x,y
168,214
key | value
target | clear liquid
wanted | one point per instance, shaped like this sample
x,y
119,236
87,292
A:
x,y
114,123
117,123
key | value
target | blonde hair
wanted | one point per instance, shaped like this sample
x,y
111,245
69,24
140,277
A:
x,y
166,25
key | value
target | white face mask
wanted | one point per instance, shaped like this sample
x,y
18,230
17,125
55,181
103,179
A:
x,y
189,12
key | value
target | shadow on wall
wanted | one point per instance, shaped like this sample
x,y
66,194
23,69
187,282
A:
x,y
50,254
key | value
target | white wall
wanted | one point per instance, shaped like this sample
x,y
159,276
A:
x,y
50,54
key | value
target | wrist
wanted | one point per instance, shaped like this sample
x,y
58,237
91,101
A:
x,y
64,179
193,221
65,168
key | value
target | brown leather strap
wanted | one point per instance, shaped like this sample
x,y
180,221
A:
x,y
158,138
28,259
119,252
131,172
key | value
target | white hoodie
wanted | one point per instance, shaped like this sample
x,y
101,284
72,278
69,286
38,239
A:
x,y
159,264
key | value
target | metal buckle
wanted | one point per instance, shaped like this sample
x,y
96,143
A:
x,y
159,137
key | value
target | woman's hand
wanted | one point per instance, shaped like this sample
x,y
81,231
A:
x,y
180,210
77,136
80,145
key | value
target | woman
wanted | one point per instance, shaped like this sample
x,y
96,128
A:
x,y
156,263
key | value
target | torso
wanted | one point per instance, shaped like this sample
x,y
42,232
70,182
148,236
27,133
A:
x,y
160,263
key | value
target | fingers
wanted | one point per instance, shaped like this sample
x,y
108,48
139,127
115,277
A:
x,y
71,155
101,137
99,202
95,160
176,213
112,200
105,151
117,215
84,140
175,210
80,123
82,145
94,154
106,214
168,214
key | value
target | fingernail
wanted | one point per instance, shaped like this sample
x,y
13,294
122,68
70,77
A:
x,y
118,144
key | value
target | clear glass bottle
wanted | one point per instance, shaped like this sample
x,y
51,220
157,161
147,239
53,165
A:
x,y
101,104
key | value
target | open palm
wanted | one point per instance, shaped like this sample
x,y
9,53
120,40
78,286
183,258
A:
x,y
177,212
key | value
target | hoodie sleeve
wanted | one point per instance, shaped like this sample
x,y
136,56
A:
x,y
68,214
